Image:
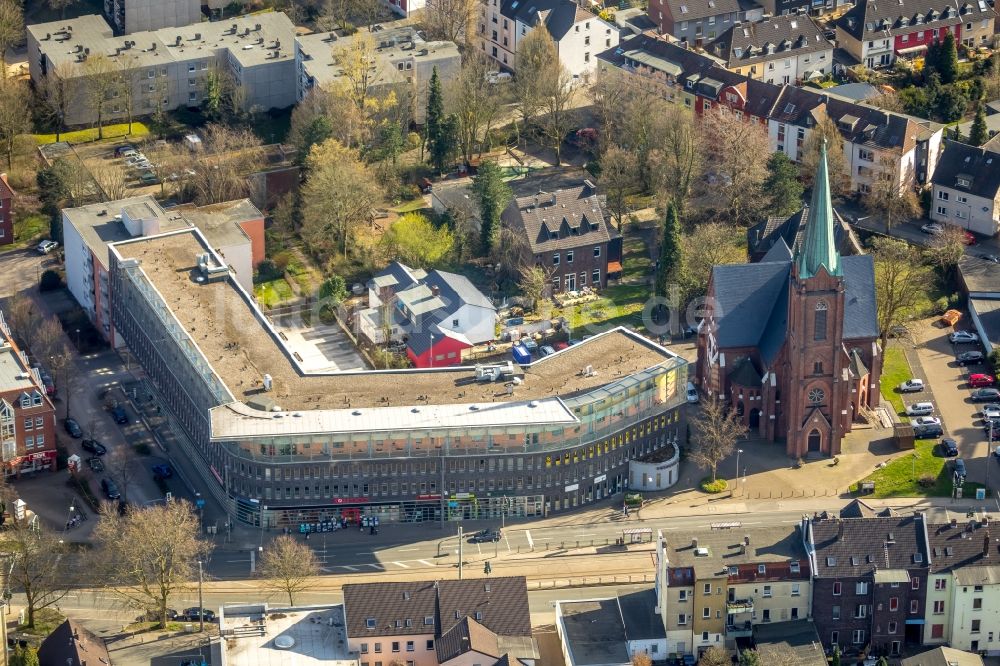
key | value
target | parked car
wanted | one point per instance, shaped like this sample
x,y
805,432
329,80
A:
x,y
73,428
932,228
920,409
968,238
119,414
991,411
124,150
950,447
191,614
546,350
962,337
969,358
95,464
986,395
958,467
926,421
110,489
979,380
912,386
46,246
992,430
93,446
148,177
692,393
154,616
486,536
991,257
162,471
927,431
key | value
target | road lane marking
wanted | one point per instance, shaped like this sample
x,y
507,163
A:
x,y
348,567
406,550
405,566
425,563
527,534
374,566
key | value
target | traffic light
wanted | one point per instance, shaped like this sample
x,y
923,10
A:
x,y
487,568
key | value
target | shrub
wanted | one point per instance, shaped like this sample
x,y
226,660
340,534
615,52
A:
x,y
267,270
50,281
926,480
334,289
709,486
282,259
327,315
995,360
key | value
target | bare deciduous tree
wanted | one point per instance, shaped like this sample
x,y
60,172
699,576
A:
x,y
715,656
889,196
15,119
112,178
947,248
533,58
60,6
617,180
287,565
57,93
450,20
677,158
11,29
897,269
476,102
739,160
149,554
714,433
23,318
221,168
102,79
558,92
39,567
122,464
836,161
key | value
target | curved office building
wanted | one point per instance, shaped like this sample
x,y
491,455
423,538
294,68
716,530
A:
x,y
279,446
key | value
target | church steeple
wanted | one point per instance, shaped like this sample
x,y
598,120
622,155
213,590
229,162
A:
x,y
819,248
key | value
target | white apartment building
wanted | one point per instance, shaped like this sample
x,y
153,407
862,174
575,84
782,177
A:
x,y
966,188
167,69
579,35
128,16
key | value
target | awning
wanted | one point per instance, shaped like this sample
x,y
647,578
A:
x,y
915,621
614,267
912,50
892,576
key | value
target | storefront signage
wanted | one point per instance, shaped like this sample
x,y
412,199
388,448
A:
x,y
601,479
463,495
428,497
350,500
571,488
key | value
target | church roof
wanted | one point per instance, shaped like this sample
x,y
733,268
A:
x,y
860,320
745,374
763,236
819,248
779,251
858,366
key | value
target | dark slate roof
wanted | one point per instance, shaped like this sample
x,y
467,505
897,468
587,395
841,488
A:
x,y
594,632
502,603
71,643
744,373
860,509
871,18
457,288
981,167
557,15
968,544
642,623
466,636
692,10
856,547
745,295
560,220
799,637
792,229
778,252
389,604
419,341
858,366
773,37
860,318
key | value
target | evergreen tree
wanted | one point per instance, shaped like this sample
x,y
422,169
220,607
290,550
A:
x,y
836,656
947,59
978,135
435,112
671,265
782,186
931,58
493,195
442,147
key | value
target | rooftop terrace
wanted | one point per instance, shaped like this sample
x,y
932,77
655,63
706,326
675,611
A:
x,y
242,347
260,636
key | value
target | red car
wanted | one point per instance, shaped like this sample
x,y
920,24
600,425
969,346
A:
x,y
981,380
968,238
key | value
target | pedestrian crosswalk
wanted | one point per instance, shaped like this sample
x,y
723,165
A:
x,y
393,565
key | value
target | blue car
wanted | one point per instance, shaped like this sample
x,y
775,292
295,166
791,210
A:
x,y
119,414
162,471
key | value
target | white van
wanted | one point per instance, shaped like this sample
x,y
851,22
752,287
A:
x,y
692,393
920,409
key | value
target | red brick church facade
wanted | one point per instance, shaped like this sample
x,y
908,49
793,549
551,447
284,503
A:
x,y
791,342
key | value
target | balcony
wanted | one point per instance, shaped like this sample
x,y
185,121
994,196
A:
x,y
735,606
738,630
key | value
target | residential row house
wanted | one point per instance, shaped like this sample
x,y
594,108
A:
x,y
876,143
777,49
579,34
713,587
876,32
27,415
698,22
966,188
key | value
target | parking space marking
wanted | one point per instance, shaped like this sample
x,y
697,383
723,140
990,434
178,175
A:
x,y
426,563
527,534
405,566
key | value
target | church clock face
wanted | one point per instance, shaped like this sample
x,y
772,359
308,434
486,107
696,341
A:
x,y
816,395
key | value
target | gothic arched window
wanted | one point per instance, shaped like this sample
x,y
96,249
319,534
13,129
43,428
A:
x,y
819,322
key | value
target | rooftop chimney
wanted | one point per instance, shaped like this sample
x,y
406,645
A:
x,y
840,530
986,545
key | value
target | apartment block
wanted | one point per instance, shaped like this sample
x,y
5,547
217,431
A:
x,y
404,62
966,188
168,68
778,49
129,16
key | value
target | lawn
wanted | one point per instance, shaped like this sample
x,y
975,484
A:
x,y
28,229
417,204
900,478
46,621
90,135
275,292
895,371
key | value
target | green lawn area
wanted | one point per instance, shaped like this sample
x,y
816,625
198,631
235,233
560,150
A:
x,y
46,621
412,206
895,371
273,293
28,229
900,478
90,135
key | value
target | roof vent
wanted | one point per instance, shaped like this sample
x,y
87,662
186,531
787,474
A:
x,y
356,412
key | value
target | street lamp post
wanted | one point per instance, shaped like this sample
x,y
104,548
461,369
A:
x,y
738,452
78,341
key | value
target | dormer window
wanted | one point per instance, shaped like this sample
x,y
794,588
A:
x,y
738,53
370,623
964,181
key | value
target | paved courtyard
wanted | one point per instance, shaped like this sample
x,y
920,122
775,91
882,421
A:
x,y
323,348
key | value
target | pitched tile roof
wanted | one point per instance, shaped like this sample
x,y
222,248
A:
x,y
860,509
557,15
388,606
72,643
560,220
692,10
500,604
966,544
883,17
944,656
797,637
466,636
773,37
792,230
961,163
856,547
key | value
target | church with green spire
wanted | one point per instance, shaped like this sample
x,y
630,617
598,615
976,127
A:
x,y
790,341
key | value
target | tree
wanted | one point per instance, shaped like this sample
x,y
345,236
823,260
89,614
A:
x,y
750,657
534,56
715,656
671,265
65,373
23,317
39,566
11,29
359,65
617,180
24,656
149,554
122,464
112,178
287,565
102,80
714,433
782,187
333,290
641,659
60,6
441,147
532,284
558,91
434,115
476,102
835,660
946,248
979,134
897,270
15,119
709,245
57,94
946,60
886,198
128,72
493,195
739,159
450,20
676,160
836,161
219,170
326,113
339,194
413,239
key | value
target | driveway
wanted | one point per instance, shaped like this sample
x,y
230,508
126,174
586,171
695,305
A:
x,y
953,402
22,269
